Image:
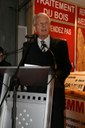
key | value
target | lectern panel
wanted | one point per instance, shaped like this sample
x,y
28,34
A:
x,y
30,110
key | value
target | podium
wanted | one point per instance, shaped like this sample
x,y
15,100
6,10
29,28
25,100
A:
x,y
33,108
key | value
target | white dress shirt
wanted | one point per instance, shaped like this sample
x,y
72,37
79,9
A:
x,y
46,41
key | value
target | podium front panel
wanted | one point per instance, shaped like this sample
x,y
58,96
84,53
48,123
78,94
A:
x,y
30,110
33,110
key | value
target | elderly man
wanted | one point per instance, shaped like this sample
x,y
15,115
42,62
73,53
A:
x,y
35,54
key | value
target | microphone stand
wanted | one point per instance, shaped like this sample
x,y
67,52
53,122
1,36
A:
x,y
12,52
14,82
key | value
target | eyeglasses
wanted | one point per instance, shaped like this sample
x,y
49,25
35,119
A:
x,y
43,24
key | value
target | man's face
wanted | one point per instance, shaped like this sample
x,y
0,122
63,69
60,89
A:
x,y
42,26
1,57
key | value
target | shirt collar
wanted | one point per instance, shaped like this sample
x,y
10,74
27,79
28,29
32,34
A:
x,y
47,41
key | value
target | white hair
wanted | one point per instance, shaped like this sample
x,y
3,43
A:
x,y
40,15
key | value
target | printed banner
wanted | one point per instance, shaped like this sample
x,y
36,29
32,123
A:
x,y
56,9
81,16
75,81
75,112
65,32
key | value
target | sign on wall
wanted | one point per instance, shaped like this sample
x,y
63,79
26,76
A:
x,y
56,9
75,100
75,112
81,16
80,43
65,32
75,81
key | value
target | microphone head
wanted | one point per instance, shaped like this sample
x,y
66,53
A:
x,y
31,36
35,35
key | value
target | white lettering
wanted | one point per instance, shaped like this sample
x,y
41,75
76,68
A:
x,y
60,16
47,2
48,12
58,5
56,29
64,6
67,31
81,21
82,12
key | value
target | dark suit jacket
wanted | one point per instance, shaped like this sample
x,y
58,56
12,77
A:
x,y
33,55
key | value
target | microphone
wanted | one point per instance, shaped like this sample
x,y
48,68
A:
x,y
31,37
10,53
54,60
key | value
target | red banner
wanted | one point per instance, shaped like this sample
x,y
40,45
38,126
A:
x,y
56,9
75,111
81,16
65,32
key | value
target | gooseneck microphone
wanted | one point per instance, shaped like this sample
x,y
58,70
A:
x,y
31,38
13,52
14,83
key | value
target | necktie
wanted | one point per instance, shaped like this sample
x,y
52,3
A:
x,y
42,46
